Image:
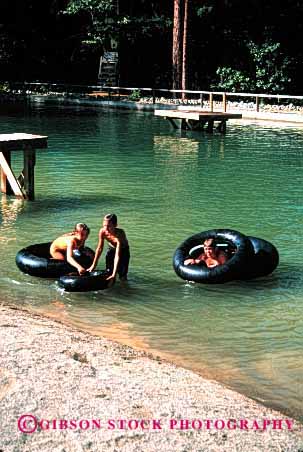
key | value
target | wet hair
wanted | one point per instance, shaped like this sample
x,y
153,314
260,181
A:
x,y
82,227
112,218
210,242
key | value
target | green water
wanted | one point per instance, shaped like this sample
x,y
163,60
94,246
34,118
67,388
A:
x,y
165,186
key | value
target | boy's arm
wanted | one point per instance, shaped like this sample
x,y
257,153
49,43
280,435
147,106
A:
x,y
70,258
116,261
200,258
98,252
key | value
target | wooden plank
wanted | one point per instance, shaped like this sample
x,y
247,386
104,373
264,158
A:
x,y
18,141
11,177
178,114
197,114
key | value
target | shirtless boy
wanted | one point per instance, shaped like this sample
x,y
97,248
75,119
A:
x,y
117,256
212,256
62,248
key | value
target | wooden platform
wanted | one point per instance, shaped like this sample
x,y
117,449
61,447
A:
x,y
197,119
22,186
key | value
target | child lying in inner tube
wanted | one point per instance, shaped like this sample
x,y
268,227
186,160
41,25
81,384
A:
x,y
212,255
62,248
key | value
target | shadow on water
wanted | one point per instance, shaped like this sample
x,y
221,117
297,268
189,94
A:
x,y
21,108
49,204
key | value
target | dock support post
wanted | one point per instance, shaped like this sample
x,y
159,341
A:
x,y
184,125
29,172
257,103
9,180
5,185
211,102
210,126
154,96
224,102
222,126
172,121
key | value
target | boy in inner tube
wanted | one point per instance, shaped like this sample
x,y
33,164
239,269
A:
x,y
62,248
212,255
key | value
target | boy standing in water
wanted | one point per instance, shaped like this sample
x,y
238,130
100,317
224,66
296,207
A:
x,y
117,256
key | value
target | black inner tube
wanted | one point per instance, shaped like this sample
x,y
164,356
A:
x,y
265,259
88,282
35,260
241,251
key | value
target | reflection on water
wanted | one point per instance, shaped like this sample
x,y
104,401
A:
x,y
9,210
165,186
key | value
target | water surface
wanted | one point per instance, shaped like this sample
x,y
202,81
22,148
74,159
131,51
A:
x,y
165,185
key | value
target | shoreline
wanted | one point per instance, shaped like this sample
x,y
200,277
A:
x,y
122,337
268,114
55,371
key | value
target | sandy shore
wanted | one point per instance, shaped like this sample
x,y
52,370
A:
x,y
85,393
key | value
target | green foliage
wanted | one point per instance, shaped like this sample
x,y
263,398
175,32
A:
x,y
135,95
271,67
269,71
204,10
104,22
93,6
232,80
99,17
4,88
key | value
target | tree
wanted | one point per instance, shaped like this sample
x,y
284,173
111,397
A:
x,y
269,70
271,67
104,19
180,40
184,48
137,25
177,49
99,18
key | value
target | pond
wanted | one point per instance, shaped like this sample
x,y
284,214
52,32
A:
x,y
166,185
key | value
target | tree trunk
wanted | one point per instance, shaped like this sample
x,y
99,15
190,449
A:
x,y
177,49
184,48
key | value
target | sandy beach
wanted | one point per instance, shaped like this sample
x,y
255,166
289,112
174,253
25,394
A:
x,y
65,390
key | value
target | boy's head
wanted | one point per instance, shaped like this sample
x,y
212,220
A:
x,y
111,218
210,246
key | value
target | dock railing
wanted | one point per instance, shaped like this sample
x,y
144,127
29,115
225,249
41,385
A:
x,y
208,100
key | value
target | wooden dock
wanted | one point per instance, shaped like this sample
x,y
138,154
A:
x,y
22,186
197,119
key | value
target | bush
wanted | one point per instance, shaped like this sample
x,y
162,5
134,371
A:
x,y
232,80
135,95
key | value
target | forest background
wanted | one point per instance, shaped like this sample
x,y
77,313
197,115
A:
x,y
230,45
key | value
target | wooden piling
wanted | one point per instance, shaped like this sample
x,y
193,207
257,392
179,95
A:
x,y
22,186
